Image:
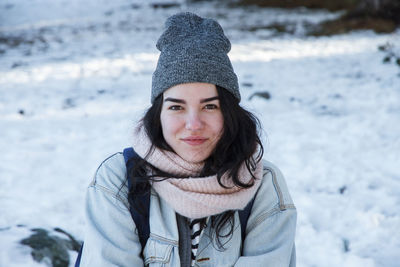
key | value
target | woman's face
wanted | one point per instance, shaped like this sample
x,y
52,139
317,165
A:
x,y
191,120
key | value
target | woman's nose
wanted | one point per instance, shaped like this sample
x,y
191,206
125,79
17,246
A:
x,y
193,122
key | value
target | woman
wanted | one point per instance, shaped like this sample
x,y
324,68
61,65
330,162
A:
x,y
199,156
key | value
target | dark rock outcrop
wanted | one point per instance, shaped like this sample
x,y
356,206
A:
x,y
51,247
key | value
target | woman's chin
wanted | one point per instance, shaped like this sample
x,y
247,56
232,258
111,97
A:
x,y
194,158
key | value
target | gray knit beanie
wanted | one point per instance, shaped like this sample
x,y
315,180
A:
x,y
193,49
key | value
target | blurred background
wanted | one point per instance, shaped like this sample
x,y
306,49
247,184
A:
x,y
322,76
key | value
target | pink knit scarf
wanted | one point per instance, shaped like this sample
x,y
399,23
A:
x,y
195,197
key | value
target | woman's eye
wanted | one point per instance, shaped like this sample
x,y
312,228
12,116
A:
x,y
175,107
210,106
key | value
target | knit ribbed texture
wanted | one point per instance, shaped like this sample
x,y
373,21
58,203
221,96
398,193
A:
x,y
193,49
195,197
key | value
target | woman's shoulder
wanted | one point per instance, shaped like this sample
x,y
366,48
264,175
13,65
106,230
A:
x,y
273,189
111,173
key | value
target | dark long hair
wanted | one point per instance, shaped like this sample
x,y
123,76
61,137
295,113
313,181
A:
x,y
237,145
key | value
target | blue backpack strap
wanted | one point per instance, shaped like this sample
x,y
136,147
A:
x,y
78,259
244,216
141,220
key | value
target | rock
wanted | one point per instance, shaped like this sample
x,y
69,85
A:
x,y
18,64
247,84
346,245
342,189
263,94
69,103
392,52
165,5
387,59
50,247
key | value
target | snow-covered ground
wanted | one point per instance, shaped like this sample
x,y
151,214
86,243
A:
x,y
75,77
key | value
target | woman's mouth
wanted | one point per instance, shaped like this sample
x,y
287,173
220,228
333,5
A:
x,y
194,140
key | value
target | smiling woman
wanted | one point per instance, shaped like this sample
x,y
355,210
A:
x,y
196,180
191,120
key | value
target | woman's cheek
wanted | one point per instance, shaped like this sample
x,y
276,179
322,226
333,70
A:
x,y
170,125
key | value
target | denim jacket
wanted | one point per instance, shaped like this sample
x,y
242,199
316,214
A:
x,y
111,239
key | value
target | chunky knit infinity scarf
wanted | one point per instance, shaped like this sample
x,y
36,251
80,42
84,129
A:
x,y
194,197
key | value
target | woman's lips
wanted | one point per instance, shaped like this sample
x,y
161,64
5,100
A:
x,y
194,140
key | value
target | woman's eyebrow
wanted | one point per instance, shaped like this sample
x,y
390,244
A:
x,y
175,100
209,99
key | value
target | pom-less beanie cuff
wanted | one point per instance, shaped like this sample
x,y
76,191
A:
x,y
193,49
183,71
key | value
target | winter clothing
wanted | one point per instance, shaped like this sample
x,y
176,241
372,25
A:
x,y
198,197
193,49
111,239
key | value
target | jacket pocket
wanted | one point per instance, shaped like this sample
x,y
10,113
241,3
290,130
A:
x,y
157,253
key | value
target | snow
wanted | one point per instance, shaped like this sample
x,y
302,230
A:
x,y
71,94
